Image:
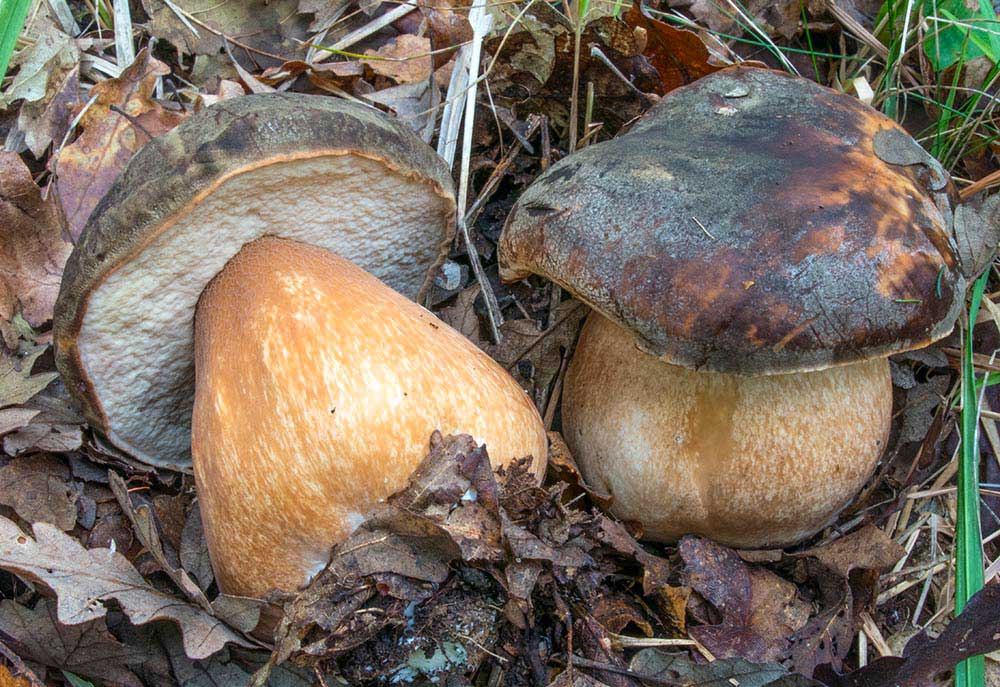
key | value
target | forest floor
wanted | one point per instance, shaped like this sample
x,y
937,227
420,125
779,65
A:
x,y
560,593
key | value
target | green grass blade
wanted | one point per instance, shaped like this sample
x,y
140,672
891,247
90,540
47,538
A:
x,y
968,535
12,16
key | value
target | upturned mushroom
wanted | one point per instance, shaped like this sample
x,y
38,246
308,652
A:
x,y
754,249
223,278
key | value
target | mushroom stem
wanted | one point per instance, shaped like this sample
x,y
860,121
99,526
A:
x,y
317,388
749,461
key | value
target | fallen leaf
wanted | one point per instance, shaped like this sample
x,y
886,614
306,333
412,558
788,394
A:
x,y
682,670
679,56
39,489
535,355
15,418
17,384
562,467
977,233
7,679
224,669
47,120
86,168
783,17
273,29
412,103
87,649
324,12
146,528
759,609
532,68
194,550
846,572
405,59
51,55
44,436
86,579
448,27
974,632
32,248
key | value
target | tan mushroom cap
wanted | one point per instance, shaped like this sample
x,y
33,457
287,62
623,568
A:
x,y
751,222
316,169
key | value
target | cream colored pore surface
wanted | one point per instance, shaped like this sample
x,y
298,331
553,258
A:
x,y
136,340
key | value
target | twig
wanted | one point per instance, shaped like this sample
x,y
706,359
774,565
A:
x,y
481,22
124,47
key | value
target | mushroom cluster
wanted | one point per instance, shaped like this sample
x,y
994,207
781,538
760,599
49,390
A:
x,y
243,271
754,249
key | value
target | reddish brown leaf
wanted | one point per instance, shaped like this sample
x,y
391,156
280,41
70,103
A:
x,y
86,169
679,56
32,249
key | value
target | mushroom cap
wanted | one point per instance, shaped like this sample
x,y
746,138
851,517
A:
x,y
751,222
318,388
316,169
748,461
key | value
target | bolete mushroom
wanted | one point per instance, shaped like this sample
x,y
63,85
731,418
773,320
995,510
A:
x,y
223,275
754,248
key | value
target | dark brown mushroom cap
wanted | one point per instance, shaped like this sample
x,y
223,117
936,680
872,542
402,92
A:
x,y
751,222
341,175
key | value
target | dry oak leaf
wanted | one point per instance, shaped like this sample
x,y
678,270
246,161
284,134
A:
x,y
86,169
85,579
87,649
32,249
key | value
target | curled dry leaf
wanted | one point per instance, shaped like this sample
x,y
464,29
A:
x,y
86,168
87,649
33,249
85,579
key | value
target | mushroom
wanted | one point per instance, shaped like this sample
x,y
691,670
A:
x,y
755,247
223,275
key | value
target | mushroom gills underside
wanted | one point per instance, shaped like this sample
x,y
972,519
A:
x,y
317,391
749,461
136,338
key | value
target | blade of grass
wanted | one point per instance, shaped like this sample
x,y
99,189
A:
x,y
13,13
968,534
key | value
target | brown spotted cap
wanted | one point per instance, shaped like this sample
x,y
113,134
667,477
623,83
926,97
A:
x,y
752,222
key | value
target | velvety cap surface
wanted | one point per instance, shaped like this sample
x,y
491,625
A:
x,y
751,222
315,169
